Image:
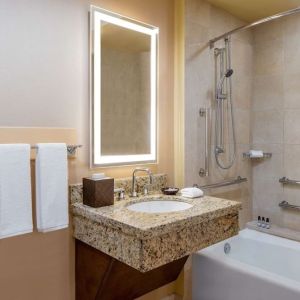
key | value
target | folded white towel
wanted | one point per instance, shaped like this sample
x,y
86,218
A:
x,y
51,187
15,190
191,192
256,153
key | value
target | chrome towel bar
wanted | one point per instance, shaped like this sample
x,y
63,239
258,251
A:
x,y
237,180
285,180
71,149
285,204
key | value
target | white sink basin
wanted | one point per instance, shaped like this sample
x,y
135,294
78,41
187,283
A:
x,y
159,206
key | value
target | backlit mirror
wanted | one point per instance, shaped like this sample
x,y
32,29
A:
x,y
123,89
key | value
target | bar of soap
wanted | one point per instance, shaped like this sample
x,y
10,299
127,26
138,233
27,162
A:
x,y
98,176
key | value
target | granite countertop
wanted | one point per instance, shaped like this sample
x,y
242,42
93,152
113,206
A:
x,y
148,225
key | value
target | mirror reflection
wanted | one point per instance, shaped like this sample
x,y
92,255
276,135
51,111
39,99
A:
x,y
125,91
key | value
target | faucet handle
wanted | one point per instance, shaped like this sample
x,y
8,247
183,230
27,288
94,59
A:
x,y
120,192
147,187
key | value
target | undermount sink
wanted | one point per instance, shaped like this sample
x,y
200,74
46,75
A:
x,y
159,206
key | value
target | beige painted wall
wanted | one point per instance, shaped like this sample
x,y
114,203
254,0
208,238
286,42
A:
x,y
44,59
276,118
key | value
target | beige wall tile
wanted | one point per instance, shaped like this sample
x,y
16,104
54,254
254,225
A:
x,y
291,53
291,25
196,33
268,98
267,126
292,161
242,128
242,59
268,58
292,126
291,90
267,193
242,91
276,118
269,168
269,32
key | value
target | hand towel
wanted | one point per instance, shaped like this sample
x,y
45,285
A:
x,y
191,192
256,153
51,187
15,190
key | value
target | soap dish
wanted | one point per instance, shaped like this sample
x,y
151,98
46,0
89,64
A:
x,y
170,191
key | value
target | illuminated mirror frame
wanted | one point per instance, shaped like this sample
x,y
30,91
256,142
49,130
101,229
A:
x,y
97,16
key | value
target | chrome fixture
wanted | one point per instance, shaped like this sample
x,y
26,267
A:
x,y
205,112
285,180
219,95
258,22
237,180
224,118
133,189
265,155
120,193
285,204
227,248
71,149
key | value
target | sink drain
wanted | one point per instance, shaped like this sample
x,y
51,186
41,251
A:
x,y
227,248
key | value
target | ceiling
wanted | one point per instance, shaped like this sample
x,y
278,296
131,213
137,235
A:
x,y
251,10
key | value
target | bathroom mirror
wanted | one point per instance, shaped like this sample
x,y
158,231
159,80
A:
x,y
123,90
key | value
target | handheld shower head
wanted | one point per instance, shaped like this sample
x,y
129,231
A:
x,y
228,73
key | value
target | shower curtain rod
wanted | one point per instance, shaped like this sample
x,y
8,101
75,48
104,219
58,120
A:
x,y
258,22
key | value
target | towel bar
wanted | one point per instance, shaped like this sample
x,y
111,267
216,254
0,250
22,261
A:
x,y
71,149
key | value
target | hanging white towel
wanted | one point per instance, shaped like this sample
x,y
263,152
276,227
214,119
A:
x,y
15,190
51,187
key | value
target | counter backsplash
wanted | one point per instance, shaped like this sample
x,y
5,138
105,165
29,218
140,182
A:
x,y
159,182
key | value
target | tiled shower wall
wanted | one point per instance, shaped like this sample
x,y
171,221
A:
x,y
276,118
203,22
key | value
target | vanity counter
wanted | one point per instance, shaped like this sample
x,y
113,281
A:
x,y
146,241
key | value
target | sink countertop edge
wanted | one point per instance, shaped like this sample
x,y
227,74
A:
x,y
95,215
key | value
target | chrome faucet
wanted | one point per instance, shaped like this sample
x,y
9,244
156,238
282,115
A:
x,y
133,189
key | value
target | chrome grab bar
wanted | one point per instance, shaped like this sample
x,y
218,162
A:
x,y
285,180
237,180
205,112
285,204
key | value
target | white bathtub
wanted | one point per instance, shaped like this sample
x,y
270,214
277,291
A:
x,y
259,266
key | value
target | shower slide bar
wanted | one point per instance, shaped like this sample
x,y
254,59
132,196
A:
x,y
237,180
258,22
285,180
71,149
285,204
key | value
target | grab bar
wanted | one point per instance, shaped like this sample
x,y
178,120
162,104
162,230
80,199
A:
x,y
285,180
205,112
285,204
237,180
